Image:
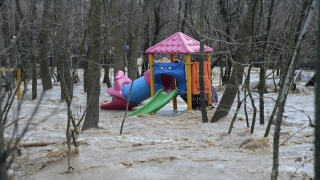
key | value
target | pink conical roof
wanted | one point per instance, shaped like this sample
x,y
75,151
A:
x,y
177,43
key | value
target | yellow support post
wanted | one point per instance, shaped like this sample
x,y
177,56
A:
x,y
19,82
209,94
175,107
6,69
188,67
151,56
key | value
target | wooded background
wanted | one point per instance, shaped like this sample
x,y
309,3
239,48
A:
x,y
52,38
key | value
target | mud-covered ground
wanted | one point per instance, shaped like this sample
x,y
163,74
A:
x,y
167,145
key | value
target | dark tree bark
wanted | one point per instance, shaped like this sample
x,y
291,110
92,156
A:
x,y
146,45
157,21
134,36
183,22
179,15
61,48
108,50
201,65
5,32
227,21
31,46
44,50
117,37
317,114
262,76
133,42
86,79
33,56
34,77
106,66
92,113
3,154
238,69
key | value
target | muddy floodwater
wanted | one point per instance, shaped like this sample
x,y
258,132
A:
x,y
167,145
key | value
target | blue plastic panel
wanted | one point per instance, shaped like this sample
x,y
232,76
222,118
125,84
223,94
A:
x,y
176,70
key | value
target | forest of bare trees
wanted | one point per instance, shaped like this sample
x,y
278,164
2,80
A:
x,y
49,39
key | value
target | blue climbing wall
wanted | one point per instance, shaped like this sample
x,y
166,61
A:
x,y
176,70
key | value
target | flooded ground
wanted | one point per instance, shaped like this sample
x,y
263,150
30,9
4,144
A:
x,y
167,145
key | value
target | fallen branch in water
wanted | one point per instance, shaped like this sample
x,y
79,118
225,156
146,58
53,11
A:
x,y
37,144
15,121
310,122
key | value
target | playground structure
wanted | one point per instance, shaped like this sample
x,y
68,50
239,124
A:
x,y
164,81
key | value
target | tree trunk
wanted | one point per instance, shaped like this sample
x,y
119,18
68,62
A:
x,y
34,78
3,157
61,48
34,56
201,66
3,165
294,34
227,21
284,93
5,32
178,18
92,113
134,37
106,65
145,60
44,50
108,50
117,37
86,79
238,69
183,22
133,42
262,76
317,114
157,21
31,45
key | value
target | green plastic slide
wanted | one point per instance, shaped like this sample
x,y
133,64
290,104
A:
x,y
160,99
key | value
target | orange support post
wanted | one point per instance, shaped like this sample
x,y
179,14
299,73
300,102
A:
x,y
188,67
151,56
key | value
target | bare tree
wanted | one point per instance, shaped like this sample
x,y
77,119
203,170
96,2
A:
x,y
284,93
92,114
226,20
201,66
263,61
108,50
30,45
295,28
44,44
5,29
61,45
134,34
238,69
317,113
9,147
